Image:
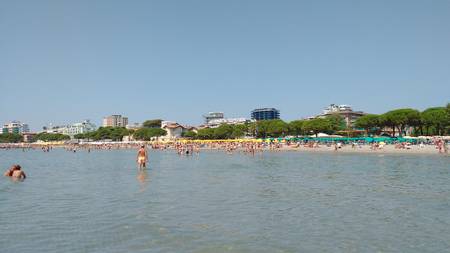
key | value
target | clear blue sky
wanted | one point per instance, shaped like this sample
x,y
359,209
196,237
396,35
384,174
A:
x,y
65,61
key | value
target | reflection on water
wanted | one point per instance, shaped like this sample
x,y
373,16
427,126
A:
x,y
142,178
214,202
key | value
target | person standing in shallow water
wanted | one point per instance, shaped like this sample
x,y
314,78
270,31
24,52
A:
x,y
142,157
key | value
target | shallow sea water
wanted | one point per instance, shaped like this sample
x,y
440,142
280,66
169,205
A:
x,y
214,202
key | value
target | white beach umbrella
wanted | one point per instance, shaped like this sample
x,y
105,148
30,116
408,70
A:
x,y
320,135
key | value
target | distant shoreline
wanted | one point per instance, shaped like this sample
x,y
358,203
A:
x,y
388,149
347,149
365,149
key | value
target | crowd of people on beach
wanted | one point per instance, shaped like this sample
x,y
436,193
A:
x,y
187,147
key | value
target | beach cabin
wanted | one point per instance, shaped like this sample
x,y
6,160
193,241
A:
x,y
173,129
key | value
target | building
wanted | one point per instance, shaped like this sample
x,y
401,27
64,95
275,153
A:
x,y
336,108
15,127
230,121
265,114
134,126
28,137
345,111
173,129
190,128
115,121
212,116
72,129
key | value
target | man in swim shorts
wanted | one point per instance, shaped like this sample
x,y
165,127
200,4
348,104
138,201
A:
x,y
142,157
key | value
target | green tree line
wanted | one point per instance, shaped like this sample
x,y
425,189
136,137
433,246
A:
x,y
105,133
51,137
432,121
270,128
146,133
10,138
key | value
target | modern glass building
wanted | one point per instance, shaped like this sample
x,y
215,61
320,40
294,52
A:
x,y
265,114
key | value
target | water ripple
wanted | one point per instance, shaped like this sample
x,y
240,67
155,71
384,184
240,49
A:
x,y
275,202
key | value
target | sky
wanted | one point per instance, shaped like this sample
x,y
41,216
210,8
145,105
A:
x,y
65,61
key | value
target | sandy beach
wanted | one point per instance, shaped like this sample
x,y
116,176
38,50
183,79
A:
x,y
363,149
388,149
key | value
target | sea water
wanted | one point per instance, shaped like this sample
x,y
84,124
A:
x,y
215,202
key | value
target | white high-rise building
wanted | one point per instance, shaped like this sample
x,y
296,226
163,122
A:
x,y
72,129
345,111
16,127
337,108
212,116
229,121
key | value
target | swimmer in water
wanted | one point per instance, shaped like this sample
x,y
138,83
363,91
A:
x,y
15,172
9,172
142,157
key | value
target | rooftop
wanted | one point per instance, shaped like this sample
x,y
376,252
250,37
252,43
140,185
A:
x,y
265,109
